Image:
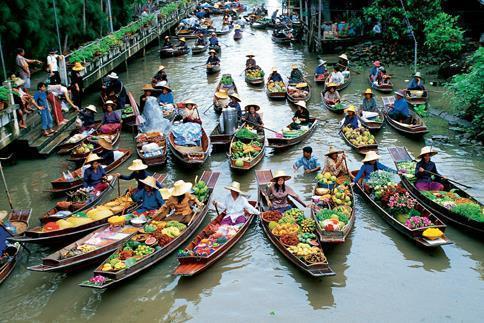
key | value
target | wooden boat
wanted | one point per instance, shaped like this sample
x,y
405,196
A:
x,y
66,147
362,149
218,139
316,270
190,265
248,165
275,95
340,87
283,143
331,107
190,156
216,48
155,160
81,157
291,98
254,81
372,125
222,32
186,33
213,69
173,52
198,49
476,228
219,104
416,127
414,100
413,234
62,185
114,278
237,36
320,79
383,88
281,39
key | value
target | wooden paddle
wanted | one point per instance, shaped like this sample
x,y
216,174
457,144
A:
x,y
195,67
256,125
204,112
448,179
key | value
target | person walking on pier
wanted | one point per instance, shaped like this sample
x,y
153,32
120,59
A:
x,y
23,67
77,84
53,67
40,102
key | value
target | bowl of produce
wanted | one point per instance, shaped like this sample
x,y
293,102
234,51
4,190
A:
x,y
269,216
289,240
138,221
315,258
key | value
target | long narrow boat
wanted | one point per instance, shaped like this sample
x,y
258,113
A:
x,y
340,87
373,125
79,157
218,139
281,142
331,107
173,52
383,88
316,269
281,39
62,185
400,154
416,127
198,49
291,97
191,155
253,161
186,33
361,149
75,140
112,278
412,234
213,69
276,95
255,81
219,104
151,159
191,263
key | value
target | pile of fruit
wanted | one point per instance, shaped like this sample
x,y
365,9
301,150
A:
x,y
296,214
218,235
339,196
254,74
407,168
331,220
276,87
326,178
119,204
200,190
460,205
297,94
127,112
244,152
359,136
303,250
285,228
149,137
271,216
83,148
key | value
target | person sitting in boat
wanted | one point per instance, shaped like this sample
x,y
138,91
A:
x,y
237,31
235,205
191,112
331,96
416,84
111,119
343,65
278,193
321,70
296,75
107,154
351,120
182,44
335,162
116,87
275,76
382,78
369,103
149,196
167,42
309,162
213,59
252,117
301,116
160,76
336,77
399,110
235,103
138,173
424,169
274,16
200,40
180,203
374,70
370,164
213,40
250,63
147,92
94,175
87,116
166,96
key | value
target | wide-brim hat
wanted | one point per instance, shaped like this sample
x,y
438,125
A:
x,y
250,54
351,108
189,101
77,67
371,155
181,187
237,27
376,63
109,102
18,82
167,37
137,164
161,68
3,215
322,62
417,74
149,181
293,66
165,193
235,96
343,56
427,150
148,87
333,150
105,144
247,107
221,94
91,108
278,174
400,93
330,85
235,186
368,91
113,75
274,69
92,158
182,39
166,87
212,51
301,104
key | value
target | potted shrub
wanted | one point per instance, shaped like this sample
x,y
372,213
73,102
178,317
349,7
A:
x,y
4,97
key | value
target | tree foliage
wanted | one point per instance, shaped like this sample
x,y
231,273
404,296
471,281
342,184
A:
x,y
443,35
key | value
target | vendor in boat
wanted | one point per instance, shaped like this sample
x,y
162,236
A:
x,y
213,59
138,172
213,40
235,205
166,96
336,77
374,70
309,162
416,84
167,42
180,203
182,44
382,78
191,112
275,76
252,117
370,164
95,175
160,76
107,154
331,96
399,110
278,193
116,87
321,69
296,75
301,116
423,171
335,162
237,31
147,91
351,119
235,103
343,65
250,63
369,102
200,40
111,120
149,196
87,116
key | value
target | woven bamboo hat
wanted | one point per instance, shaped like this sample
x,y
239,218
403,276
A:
x,y
333,150
92,158
166,87
77,67
235,186
189,101
247,107
3,215
105,144
109,102
371,155
301,104
221,94
293,66
250,54
182,39
278,174
427,150
400,93
235,96
113,76
181,187
148,87
274,69
161,68
165,193
137,164
343,56
91,108
368,91
330,85
351,108
149,181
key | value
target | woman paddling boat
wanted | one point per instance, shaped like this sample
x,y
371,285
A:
x,y
278,193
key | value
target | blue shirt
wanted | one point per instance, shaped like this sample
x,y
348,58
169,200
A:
x,y
151,200
308,164
275,77
351,122
373,70
367,168
321,69
236,106
414,85
400,109
166,98
92,178
41,99
139,175
424,176
213,41
111,117
369,105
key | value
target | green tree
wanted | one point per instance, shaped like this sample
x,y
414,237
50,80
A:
x,y
443,35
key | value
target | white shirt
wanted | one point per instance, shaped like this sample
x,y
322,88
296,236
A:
x,y
235,208
52,63
337,78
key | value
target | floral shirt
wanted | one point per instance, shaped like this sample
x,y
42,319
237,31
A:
x,y
330,166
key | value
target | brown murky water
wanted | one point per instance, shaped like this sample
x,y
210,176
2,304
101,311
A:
x,y
380,275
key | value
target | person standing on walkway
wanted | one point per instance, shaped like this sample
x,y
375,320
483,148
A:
x,y
77,84
53,66
40,101
23,66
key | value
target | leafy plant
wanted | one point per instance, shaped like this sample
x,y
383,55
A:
x,y
5,94
443,35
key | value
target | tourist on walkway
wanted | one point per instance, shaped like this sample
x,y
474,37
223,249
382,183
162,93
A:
x,y
53,66
77,84
40,102
23,66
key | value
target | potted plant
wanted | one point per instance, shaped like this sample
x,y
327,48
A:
x,y
4,97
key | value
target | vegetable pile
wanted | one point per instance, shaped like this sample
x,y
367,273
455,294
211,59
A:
x,y
245,133
407,168
455,203
83,148
244,152
227,80
297,94
254,74
127,112
276,87
359,136
200,190
326,178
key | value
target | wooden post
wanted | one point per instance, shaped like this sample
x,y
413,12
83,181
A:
x,y
320,8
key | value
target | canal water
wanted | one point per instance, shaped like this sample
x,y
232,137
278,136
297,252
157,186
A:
x,y
380,275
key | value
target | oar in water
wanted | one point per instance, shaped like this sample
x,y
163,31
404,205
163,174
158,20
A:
x,y
194,67
256,125
448,179
204,112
